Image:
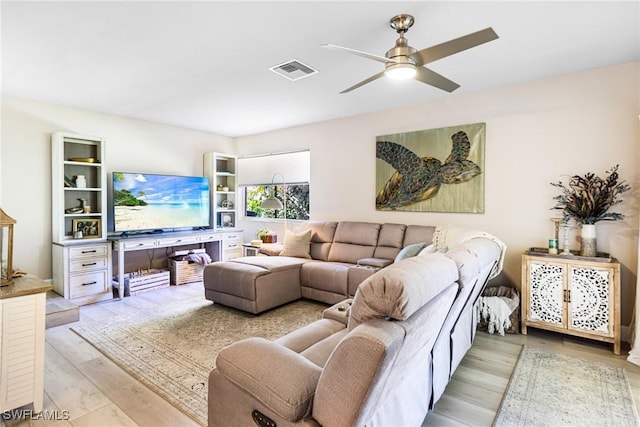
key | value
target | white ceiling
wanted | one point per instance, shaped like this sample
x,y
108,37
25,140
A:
x,y
204,65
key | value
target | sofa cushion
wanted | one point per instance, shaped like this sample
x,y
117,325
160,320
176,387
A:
x,y
283,380
321,237
271,264
296,244
418,233
325,276
410,251
402,288
353,241
390,240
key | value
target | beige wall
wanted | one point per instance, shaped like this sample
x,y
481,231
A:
x,y
25,154
536,133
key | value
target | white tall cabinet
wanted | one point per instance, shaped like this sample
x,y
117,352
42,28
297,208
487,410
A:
x,y
221,171
81,253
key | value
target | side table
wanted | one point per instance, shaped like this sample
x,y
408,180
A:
x,y
250,250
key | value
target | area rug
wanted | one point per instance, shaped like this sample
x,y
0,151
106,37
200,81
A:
x,y
548,389
173,349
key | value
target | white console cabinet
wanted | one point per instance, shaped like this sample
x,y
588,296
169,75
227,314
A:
x,y
572,296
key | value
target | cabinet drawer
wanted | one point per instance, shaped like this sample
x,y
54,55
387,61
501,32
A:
x,y
232,236
231,254
177,241
89,251
209,238
81,285
131,246
88,264
229,246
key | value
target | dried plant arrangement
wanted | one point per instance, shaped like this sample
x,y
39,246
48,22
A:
x,y
587,199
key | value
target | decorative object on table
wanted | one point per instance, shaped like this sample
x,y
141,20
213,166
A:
x,y
553,246
566,227
436,170
86,228
81,181
587,200
6,248
255,242
556,234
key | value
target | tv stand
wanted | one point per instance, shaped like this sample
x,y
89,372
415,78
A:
x,y
220,245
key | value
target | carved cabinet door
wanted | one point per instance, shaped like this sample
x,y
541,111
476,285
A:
x,y
546,293
590,294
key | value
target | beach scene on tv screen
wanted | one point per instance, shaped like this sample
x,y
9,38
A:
x,y
151,202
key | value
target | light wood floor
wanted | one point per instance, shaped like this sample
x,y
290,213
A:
x,y
96,392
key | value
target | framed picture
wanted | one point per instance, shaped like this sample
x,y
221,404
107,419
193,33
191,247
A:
x,y
434,170
87,228
226,219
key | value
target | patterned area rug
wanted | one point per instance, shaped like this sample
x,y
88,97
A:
x,y
172,350
547,389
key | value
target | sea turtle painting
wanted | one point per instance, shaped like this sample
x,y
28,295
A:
x,y
419,178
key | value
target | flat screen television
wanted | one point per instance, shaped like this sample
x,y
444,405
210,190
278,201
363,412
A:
x,y
153,202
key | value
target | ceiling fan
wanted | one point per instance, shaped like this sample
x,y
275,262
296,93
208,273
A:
x,y
404,62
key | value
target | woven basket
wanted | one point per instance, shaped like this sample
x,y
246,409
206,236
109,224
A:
x,y
185,272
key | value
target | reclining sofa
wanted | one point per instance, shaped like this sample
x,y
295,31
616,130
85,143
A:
x,y
335,258
383,357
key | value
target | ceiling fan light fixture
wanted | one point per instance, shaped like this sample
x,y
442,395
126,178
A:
x,y
401,71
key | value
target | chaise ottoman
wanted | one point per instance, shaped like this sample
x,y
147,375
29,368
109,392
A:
x,y
255,285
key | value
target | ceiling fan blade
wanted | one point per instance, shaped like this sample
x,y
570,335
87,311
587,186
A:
x,y
373,56
445,49
432,78
364,82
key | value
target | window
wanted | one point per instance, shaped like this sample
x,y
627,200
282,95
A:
x,y
264,176
297,196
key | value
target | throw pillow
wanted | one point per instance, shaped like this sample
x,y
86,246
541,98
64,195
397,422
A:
x,y
296,244
409,251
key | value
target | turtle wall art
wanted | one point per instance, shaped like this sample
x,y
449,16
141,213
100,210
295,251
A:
x,y
436,170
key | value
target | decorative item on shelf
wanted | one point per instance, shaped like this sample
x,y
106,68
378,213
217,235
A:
x,y
68,182
6,248
83,159
227,204
553,246
225,189
87,228
81,181
219,187
587,200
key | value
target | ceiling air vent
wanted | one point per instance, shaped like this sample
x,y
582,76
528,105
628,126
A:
x,y
293,70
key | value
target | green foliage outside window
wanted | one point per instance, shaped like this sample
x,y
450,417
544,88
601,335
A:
x,y
297,200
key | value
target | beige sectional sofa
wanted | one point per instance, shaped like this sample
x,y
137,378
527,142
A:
x,y
340,255
382,358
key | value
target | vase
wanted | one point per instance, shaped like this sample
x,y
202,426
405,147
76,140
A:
x,y
588,247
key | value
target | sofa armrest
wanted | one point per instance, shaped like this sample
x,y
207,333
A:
x,y
339,312
374,262
271,249
279,378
